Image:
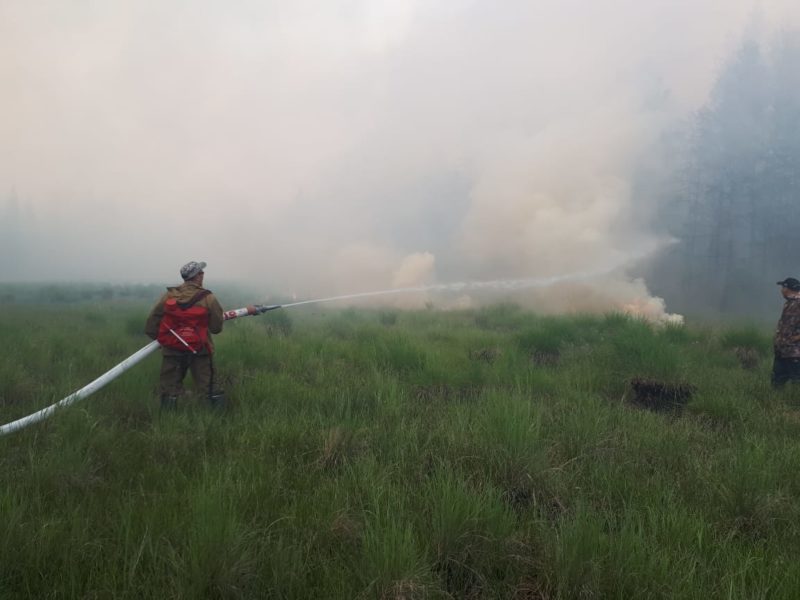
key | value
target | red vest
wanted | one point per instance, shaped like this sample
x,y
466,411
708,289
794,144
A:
x,y
184,326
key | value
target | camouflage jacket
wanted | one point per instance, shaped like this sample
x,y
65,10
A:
x,y
787,335
183,293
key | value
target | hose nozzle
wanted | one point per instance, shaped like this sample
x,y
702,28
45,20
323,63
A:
x,y
262,308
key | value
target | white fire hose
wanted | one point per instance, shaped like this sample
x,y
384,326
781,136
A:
x,y
110,375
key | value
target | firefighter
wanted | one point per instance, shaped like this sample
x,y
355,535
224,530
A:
x,y
182,321
787,335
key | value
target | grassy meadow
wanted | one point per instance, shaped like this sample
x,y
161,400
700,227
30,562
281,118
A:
x,y
490,453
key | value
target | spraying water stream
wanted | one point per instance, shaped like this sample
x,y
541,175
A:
x,y
498,284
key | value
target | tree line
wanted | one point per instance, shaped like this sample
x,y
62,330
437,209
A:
x,y
732,200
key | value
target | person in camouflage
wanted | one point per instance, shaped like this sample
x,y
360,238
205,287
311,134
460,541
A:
x,y
787,336
175,363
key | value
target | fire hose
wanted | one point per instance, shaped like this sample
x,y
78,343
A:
x,y
112,374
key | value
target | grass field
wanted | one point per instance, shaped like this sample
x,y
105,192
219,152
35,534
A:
x,y
400,455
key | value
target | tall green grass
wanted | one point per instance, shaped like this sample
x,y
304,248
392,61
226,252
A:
x,y
382,454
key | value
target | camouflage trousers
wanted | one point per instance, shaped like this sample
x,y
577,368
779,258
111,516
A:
x,y
785,370
174,369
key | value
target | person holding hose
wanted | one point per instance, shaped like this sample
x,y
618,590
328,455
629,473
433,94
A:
x,y
182,321
787,336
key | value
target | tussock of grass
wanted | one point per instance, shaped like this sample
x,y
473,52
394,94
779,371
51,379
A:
x,y
384,454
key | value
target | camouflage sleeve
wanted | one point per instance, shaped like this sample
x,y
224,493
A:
x,y
214,314
793,328
787,336
154,318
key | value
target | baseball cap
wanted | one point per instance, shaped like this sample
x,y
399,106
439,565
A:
x,y
791,283
191,269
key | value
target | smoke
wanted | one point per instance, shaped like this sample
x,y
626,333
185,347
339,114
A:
x,y
415,270
609,294
326,148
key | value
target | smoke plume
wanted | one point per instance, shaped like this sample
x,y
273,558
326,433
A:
x,y
324,148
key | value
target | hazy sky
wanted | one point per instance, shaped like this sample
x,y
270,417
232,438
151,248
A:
x,y
342,145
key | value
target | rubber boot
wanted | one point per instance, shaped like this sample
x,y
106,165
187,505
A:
x,y
169,403
217,401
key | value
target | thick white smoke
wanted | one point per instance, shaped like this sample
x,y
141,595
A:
x,y
327,148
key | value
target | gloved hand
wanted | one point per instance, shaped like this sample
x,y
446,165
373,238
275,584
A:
x,y
252,310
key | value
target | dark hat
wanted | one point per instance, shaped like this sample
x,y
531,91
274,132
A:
x,y
791,283
192,268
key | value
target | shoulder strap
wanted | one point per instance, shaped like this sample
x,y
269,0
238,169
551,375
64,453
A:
x,y
195,299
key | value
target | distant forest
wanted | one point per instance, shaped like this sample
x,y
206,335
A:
x,y
732,195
